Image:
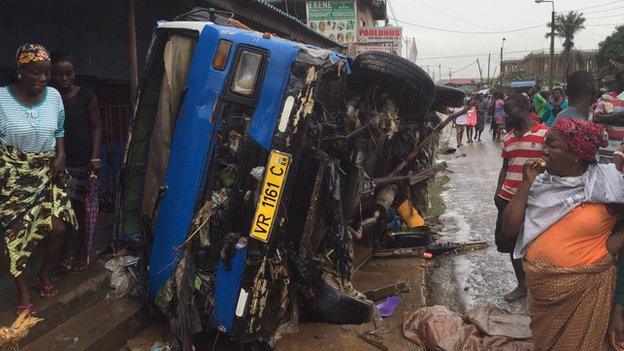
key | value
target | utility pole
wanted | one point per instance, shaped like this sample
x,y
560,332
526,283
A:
x,y
552,47
480,73
440,71
502,71
488,76
552,43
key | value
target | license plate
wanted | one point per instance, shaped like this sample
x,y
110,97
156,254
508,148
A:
x,y
270,196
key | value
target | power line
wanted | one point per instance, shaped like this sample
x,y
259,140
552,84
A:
x,y
392,12
473,55
463,68
603,10
468,32
453,17
610,16
595,6
605,25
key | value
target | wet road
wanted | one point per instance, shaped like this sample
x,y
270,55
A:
x,y
464,280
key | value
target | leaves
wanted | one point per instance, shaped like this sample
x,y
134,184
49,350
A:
x,y
611,49
567,25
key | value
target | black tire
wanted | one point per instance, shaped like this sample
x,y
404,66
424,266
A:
x,y
334,306
396,75
448,96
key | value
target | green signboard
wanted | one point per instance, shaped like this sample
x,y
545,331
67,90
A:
x,y
336,19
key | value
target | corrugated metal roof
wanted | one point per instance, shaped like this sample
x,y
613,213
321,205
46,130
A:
x,y
295,20
523,84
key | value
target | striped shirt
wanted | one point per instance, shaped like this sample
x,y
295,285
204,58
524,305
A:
x,y
517,151
615,133
31,128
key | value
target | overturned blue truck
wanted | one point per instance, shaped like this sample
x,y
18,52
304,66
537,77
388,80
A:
x,y
260,172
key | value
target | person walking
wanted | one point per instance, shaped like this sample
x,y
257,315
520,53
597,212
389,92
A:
x,y
471,121
482,109
82,144
33,201
524,142
460,123
499,117
566,223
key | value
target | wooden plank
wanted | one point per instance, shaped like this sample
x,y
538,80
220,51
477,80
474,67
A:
x,y
388,290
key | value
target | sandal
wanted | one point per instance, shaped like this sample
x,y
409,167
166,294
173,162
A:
x,y
28,308
48,290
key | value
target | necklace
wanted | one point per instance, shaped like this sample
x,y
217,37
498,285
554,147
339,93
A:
x,y
32,115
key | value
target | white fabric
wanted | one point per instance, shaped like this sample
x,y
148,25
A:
x,y
552,197
461,120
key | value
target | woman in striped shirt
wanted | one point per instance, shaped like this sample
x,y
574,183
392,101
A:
x,y
33,202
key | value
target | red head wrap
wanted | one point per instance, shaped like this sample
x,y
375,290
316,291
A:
x,y
583,137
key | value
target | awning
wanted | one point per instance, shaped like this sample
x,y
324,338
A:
x,y
523,84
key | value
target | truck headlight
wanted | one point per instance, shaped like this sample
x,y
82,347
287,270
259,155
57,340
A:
x,y
246,74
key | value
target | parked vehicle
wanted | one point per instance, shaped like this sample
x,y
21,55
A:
x,y
250,175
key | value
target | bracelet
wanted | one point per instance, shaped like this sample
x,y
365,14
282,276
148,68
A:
x,y
619,153
96,160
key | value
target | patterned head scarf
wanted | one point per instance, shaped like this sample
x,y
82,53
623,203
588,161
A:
x,y
28,53
583,137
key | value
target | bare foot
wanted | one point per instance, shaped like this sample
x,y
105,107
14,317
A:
x,y
517,294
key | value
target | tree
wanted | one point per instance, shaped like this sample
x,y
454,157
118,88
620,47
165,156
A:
x,y
566,27
611,50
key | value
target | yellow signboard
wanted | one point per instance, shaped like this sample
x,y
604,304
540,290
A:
x,y
270,196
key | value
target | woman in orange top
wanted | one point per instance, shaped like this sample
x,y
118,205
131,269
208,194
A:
x,y
565,220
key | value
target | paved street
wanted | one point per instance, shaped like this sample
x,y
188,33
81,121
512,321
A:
x,y
486,275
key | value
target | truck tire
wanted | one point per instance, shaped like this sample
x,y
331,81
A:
x,y
396,75
334,306
448,96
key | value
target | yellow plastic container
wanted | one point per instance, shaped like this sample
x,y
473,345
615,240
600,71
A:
x,y
409,215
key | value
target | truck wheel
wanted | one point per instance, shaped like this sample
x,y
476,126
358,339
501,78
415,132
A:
x,y
448,96
334,306
396,75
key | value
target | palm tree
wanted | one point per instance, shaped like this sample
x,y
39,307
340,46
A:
x,y
566,27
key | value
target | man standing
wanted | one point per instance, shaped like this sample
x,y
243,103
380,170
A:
x,y
524,142
581,93
538,101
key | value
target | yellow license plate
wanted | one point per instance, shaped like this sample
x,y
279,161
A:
x,y
270,196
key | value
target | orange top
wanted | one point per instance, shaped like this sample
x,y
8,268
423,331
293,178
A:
x,y
578,239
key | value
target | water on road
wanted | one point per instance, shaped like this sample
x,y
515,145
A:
x,y
464,280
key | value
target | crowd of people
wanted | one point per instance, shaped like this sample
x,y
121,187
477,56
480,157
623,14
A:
x,y
560,200
49,145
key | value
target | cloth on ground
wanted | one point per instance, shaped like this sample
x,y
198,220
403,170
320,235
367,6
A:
x,y
570,308
486,328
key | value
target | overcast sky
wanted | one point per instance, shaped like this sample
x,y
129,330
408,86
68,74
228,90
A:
x,y
493,16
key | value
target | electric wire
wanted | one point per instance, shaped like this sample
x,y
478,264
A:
x,y
603,10
453,17
609,16
595,6
467,32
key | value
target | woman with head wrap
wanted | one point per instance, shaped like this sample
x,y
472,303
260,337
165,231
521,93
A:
x,y
565,215
33,202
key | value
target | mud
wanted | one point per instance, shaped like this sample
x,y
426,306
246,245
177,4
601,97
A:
x,y
463,281
374,274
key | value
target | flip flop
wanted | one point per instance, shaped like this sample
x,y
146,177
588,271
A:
x,y
29,308
47,290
